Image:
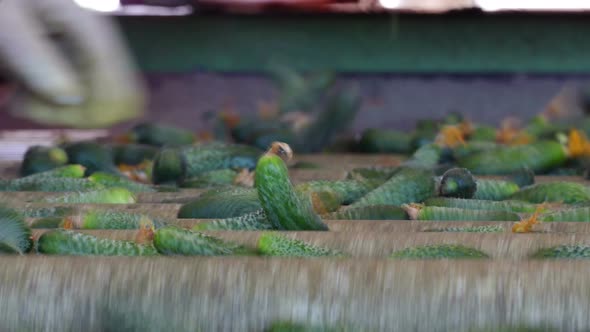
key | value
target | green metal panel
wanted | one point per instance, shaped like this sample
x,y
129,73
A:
x,y
363,43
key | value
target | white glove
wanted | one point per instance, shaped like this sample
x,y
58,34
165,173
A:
x,y
85,80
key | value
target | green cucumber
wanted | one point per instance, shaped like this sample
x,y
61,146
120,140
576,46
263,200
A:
x,y
385,141
48,222
215,178
156,134
132,154
564,251
47,212
111,180
369,212
457,182
252,221
457,214
406,186
284,208
581,214
67,242
100,219
60,185
477,204
169,166
68,171
483,134
427,156
94,156
41,158
270,244
15,235
348,190
103,196
495,190
372,174
564,192
468,229
539,157
221,203
439,251
171,240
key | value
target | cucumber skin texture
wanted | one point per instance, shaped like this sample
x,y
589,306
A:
x,y
154,134
406,186
132,154
539,157
169,166
94,156
213,156
15,235
566,192
60,185
68,171
348,190
47,212
115,220
279,245
476,204
172,240
110,180
564,252
458,182
283,207
456,214
379,140
495,190
581,214
220,204
441,251
103,196
253,221
66,242
472,229
427,156
370,212
210,179
41,158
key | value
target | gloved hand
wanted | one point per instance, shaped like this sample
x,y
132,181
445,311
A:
x,y
73,67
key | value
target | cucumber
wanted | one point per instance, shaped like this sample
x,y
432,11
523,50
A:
x,y
476,204
540,156
439,251
375,175
171,240
427,156
68,171
457,182
48,222
468,229
103,196
284,208
215,178
483,134
473,147
110,180
385,141
270,244
581,214
252,221
100,219
169,166
564,251
60,185
322,201
406,186
132,154
564,192
348,190
41,158
457,214
156,134
67,242
94,156
495,190
370,212
47,212
221,203
15,235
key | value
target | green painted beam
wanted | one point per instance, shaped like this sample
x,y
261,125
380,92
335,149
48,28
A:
x,y
363,43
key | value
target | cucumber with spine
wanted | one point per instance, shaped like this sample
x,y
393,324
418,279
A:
x,y
385,141
478,204
373,174
408,185
171,240
220,177
156,134
348,190
439,251
564,251
457,214
173,165
132,154
427,156
580,214
564,192
94,156
67,171
540,156
495,190
369,212
48,222
109,180
284,208
41,158
222,203
102,196
99,219
270,244
67,242
61,185
15,235
252,221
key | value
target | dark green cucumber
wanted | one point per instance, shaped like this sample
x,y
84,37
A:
x,y
222,203
427,156
60,185
94,156
100,219
477,204
406,186
103,196
47,212
253,221
169,166
468,229
348,190
284,208
15,235
495,190
385,141
171,240
564,252
111,180
48,222
271,244
68,171
157,134
523,177
457,214
439,251
370,212
132,154
376,175
474,147
457,182
66,242
41,158
539,157
581,214
220,177
564,192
